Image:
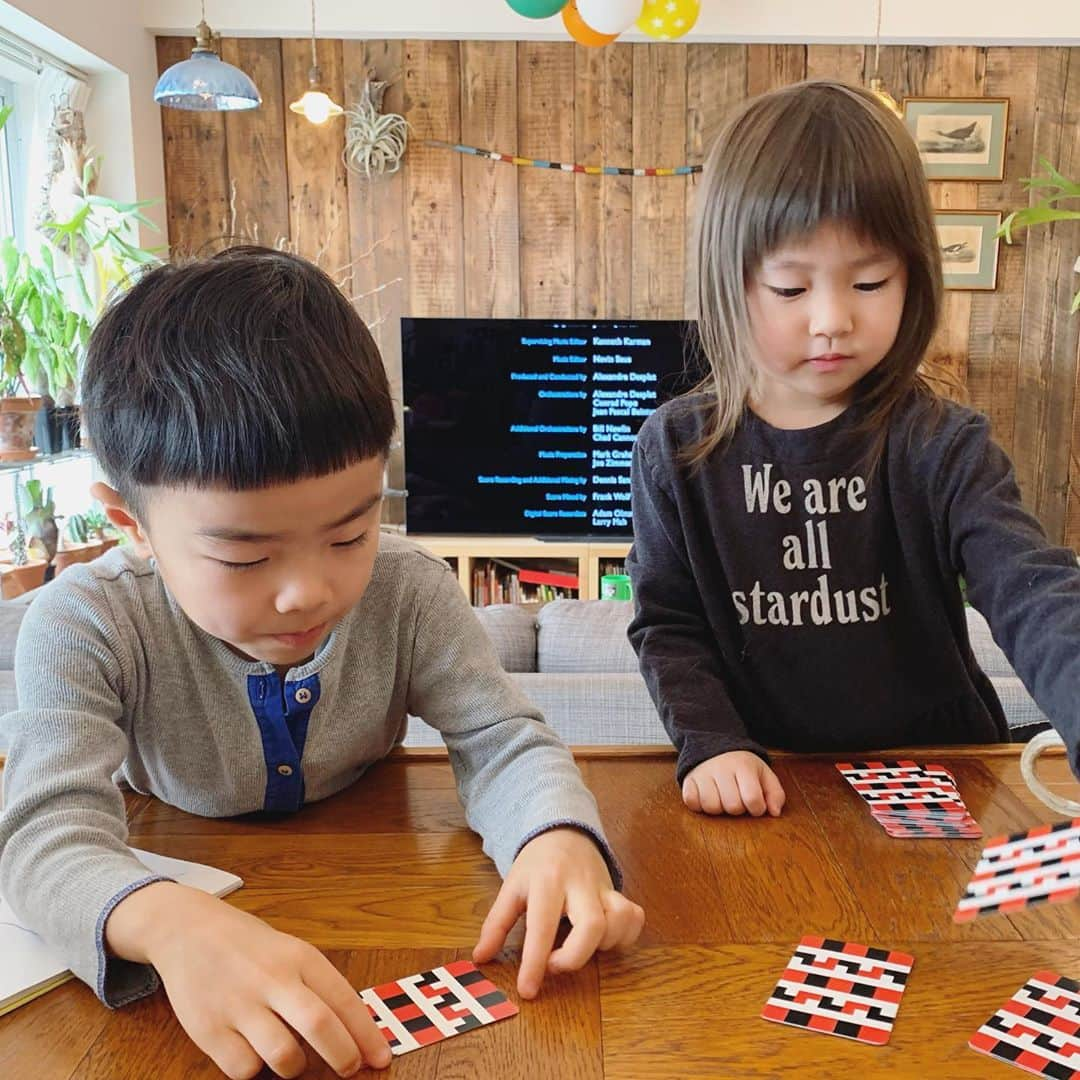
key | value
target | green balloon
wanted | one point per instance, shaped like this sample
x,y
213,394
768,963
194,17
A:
x,y
537,9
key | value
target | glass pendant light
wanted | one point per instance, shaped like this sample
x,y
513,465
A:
x,y
315,105
877,84
205,82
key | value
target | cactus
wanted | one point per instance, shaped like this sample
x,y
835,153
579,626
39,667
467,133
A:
x,y
78,528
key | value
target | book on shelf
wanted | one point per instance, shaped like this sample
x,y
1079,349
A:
x,y
31,968
496,581
548,577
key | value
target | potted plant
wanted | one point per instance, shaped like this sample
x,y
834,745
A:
x,y
23,573
39,518
55,292
1045,210
76,545
53,336
99,526
17,410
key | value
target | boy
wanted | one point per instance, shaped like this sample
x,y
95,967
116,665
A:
x,y
258,646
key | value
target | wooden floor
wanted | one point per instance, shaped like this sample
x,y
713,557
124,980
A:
x,y
388,881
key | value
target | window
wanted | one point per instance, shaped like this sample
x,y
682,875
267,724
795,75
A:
x,y
11,175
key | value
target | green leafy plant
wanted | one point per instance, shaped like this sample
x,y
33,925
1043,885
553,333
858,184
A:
x,y
90,525
53,332
97,523
12,353
55,290
1047,209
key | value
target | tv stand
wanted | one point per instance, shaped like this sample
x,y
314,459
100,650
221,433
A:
x,y
591,559
596,538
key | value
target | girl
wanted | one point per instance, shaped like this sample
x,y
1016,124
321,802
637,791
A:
x,y
802,521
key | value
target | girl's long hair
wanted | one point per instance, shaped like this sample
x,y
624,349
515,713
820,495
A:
x,y
812,153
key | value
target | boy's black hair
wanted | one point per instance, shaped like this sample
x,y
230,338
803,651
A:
x,y
238,371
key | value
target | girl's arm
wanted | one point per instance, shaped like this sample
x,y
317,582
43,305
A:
x,y
676,647
1028,589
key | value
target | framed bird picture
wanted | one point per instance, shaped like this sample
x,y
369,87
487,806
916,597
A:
x,y
959,138
969,248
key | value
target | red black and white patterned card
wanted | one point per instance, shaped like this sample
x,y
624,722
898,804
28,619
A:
x,y
840,988
911,800
1041,865
430,1006
1037,1029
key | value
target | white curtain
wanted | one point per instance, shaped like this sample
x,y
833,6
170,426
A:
x,y
53,89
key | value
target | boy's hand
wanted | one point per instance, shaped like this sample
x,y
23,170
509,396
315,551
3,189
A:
x,y
242,990
560,872
737,782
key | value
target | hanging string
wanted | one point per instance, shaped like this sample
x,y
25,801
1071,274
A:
x,y
877,39
560,166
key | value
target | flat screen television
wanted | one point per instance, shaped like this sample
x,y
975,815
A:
x,y
526,426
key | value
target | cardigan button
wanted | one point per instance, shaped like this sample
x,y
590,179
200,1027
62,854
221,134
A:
x,y
303,695
285,770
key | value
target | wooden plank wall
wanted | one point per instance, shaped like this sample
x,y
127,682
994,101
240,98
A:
x,y
453,235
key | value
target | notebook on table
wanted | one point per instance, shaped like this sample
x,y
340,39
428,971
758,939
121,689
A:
x,y
31,968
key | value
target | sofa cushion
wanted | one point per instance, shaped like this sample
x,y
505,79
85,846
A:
x,y
8,703
990,658
585,637
602,709
11,616
512,629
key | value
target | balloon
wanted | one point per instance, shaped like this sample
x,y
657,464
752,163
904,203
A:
x,y
668,19
580,31
537,9
608,16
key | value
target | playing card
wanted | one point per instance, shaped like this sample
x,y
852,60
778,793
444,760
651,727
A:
x,y
1041,865
840,988
881,771
428,1007
1037,1029
911,801
946,831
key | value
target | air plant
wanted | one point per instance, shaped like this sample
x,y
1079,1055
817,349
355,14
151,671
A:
x,y
374,142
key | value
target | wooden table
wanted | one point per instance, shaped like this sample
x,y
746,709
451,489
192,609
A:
x,y
387,880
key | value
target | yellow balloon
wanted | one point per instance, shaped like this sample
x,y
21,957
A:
x,y
668,19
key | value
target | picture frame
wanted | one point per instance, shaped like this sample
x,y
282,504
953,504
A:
x,y
959,138
969,248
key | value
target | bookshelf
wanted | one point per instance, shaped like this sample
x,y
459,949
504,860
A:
x,y
469,554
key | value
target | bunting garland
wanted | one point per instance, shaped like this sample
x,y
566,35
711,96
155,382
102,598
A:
x,y
559,166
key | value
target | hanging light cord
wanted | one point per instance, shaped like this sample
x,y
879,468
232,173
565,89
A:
x,y
877,40
314,63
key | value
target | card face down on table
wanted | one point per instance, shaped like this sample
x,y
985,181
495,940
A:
x,y
841,988
1037,866
1037,1029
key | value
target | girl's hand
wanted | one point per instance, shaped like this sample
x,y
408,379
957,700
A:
x,y
737,782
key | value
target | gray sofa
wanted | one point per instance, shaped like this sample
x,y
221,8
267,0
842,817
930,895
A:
x,y
573,660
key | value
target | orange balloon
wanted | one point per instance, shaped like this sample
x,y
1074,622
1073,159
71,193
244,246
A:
x,y
581,31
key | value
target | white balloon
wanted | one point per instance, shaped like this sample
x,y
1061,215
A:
x,y
609,16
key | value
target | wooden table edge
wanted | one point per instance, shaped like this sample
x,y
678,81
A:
x,y
638,750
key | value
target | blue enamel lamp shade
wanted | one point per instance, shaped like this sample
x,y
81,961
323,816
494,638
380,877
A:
x,y
205,82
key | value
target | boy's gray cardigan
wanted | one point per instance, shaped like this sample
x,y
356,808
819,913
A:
x,y
116,683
